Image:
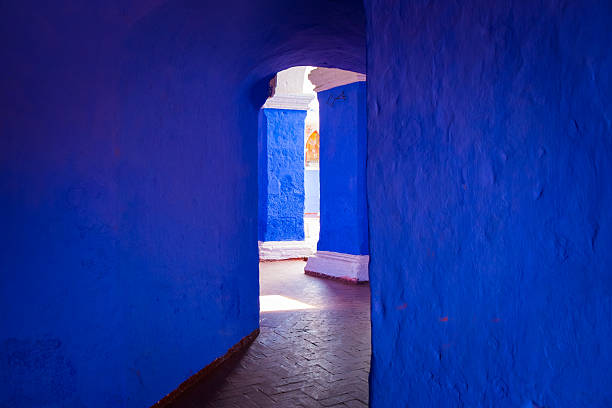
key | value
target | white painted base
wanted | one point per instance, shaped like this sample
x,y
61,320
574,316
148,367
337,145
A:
x,y
338,265
273,250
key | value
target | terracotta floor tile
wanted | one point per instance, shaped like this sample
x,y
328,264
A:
x,y
317,357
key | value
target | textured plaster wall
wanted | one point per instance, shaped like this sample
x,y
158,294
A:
x,y
262,175
311,191
128,159
344,220
490,196
128,185
281,188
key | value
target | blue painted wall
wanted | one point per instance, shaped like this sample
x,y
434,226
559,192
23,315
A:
x,y
281,175
128,186
342,119
262,175
490,197
128,208
311,191
128,181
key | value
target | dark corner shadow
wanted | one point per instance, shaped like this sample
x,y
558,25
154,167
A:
x,y
206,384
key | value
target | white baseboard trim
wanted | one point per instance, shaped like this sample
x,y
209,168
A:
x,y
274,250
338,265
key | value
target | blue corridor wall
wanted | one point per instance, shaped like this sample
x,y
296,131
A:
x,y
128,191
490,197
342,162
128,185
281,174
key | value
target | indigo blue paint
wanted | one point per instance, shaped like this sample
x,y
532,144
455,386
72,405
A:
x,y
281,158
490,197
311,191
262,175
342,162
128,185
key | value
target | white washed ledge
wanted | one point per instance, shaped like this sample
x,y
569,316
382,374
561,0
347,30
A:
x,y
276,250
348,267
291,102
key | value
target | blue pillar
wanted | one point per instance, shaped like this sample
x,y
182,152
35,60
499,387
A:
x,y
344,223
343,240
281,175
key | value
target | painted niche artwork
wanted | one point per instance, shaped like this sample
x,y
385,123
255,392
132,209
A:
x,y
312,149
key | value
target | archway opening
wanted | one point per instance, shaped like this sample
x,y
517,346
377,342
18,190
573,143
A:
x,y
314,296
216,86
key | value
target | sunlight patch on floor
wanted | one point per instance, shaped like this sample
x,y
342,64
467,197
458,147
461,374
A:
x,y
275,303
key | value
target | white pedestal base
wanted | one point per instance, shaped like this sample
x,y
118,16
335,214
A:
x,y
347,267
275,250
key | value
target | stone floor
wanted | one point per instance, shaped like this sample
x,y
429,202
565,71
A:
x,y
318,357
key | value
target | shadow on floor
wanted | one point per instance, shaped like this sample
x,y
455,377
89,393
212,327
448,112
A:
x,y
319,357
208,389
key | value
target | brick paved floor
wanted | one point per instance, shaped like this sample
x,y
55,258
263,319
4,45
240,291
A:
x,y
306,358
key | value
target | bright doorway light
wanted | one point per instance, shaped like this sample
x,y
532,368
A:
x,y
275,303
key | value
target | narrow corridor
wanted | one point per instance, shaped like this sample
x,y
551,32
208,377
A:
x,y
317,357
